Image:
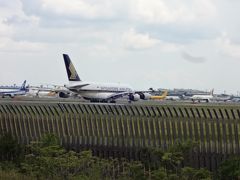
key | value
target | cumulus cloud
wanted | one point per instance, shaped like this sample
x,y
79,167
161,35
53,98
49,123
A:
x,y
98,31
11,19
82,8
151,11
134,40
172,11
192,59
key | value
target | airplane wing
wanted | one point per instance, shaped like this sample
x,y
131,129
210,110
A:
x,y
150,90
146,91
76,88
79,86
118,95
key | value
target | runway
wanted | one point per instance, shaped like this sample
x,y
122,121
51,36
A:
x,y
35,100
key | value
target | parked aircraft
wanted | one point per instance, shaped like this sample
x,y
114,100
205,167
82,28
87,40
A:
x,y
174,98
236,99
99,92
48,91
203,97
13,91
223,98
163,96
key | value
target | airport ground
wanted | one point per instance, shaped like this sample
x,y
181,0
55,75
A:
x,y
120,101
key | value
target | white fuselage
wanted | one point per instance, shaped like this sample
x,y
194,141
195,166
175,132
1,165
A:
x,y
206,98
173,98
5,91
98,91
40,93
51,91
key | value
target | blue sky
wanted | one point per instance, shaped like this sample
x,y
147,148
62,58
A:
x,y
144,43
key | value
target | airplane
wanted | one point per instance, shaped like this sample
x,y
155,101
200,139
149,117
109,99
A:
x,y
163,96
223,98
13,91
203,97
235,99
48,91
174,98
99,92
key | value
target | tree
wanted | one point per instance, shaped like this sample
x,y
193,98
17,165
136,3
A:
x,y
10,149
230,168
159,174
189,173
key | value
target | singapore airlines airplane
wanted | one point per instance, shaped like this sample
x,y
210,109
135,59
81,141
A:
x,y
99,92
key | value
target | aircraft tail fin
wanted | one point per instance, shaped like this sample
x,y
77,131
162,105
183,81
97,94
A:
x,y
165,93
163,96
71,71
211,92
23,87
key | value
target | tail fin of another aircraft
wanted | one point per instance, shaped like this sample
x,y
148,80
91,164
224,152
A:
x,y
163,96
211,92
165,93
71,71
23,87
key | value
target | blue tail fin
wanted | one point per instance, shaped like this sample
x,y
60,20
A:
x,y
23,87
71,71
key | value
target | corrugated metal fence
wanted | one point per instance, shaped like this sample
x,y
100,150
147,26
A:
x,y
119,130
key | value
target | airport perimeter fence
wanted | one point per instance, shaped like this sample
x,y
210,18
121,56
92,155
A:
x,y
121,130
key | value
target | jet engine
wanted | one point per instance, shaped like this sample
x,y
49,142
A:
x,y
134,97
63,95
145,96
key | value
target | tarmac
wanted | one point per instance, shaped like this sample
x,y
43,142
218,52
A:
x,y
37,100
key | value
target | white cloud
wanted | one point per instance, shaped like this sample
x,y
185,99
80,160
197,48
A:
x,y
169,47
5,30
227,47
80,8
9,45
94,31
133,40
160,11
151,11
11,19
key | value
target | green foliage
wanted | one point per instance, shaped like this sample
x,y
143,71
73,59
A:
x,y
46,159
159,174
10,150
49,140
188,173
230,169
49,159
151,157
13,175
136,170
183,147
